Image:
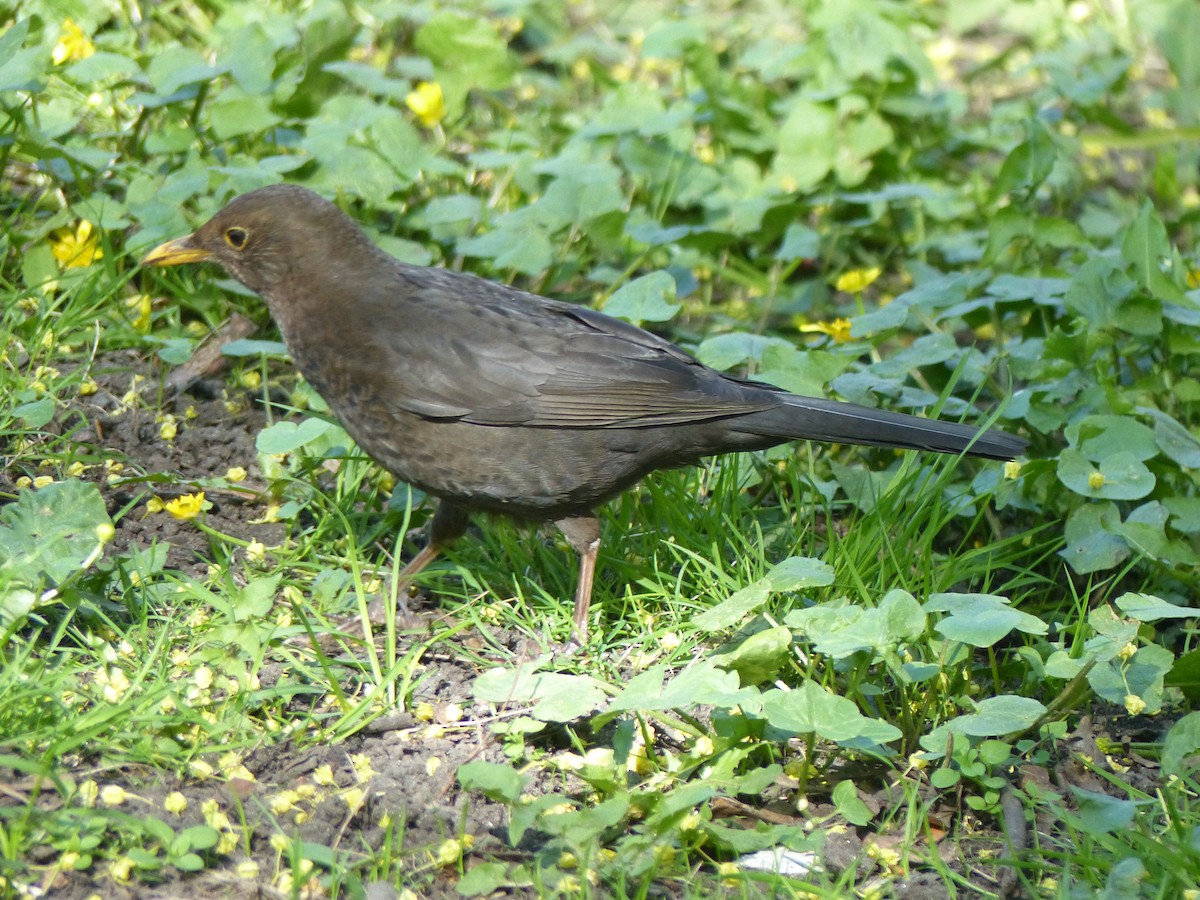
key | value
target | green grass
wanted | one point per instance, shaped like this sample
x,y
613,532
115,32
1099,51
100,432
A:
x,y
974,673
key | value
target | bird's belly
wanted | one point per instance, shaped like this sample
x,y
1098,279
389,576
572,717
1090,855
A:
x,y
533,473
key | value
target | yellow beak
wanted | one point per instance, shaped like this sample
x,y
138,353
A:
x,y
176,252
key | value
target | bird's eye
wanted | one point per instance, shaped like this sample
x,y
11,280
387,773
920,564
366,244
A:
x,y
236,238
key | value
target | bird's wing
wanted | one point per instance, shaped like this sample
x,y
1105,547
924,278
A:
x,y
479,353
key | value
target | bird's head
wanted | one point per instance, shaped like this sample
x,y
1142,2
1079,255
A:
x,y
268,239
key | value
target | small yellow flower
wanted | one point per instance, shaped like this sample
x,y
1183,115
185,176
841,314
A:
x,y
120,869
284,802
186,507
73,44
432,765
169,428
203,678
88,387
247,869
857,280
76,248
175,802
140,307
423,711
255,551
43,481
1012,470
448,852
113,795
1134,704
838,329
427,103
1128,651
1096,481
323,775
235,475
362,766
354,798
251,379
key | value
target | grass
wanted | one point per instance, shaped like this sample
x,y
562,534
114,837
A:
x,y
911,667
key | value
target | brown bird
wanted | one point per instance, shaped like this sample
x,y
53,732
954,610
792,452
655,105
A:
x,y
497,400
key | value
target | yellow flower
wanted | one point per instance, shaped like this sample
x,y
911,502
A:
x,y
247,869
76,248
427,103
72,44
141,306
113,795
235,474
1096,480
857,281
186,507
1012,470
1134,704
175,802
838,329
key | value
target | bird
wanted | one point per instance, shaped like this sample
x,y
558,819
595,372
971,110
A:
x,y
496,400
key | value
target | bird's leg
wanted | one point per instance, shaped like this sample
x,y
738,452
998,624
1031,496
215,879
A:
x,y
449,523
583,534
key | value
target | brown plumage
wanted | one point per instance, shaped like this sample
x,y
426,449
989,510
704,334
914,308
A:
x,y
497,400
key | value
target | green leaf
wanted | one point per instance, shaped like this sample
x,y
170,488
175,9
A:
x,y
807,147
1101,814
235,113
840,630
1029,164
724,351
999,716
556,697
799,242
758,657
981,619
849,805
467,53
798,572
1148,608
35,414
1142,676
1092,542
47,535
703,683
734,608
284,437
495,781
483,878
810,709
1152,258
1181,742
645,299
1176,442
1120,476
1100,437
804,372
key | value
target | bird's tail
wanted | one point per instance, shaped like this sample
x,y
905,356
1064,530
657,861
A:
x,y
810,418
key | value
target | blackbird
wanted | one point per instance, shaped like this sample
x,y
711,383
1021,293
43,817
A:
x,y
501,401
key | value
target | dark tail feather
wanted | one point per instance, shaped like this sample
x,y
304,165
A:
x,y
809,418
